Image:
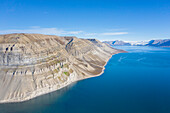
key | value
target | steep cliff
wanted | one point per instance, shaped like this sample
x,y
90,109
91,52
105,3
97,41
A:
x,y
35,64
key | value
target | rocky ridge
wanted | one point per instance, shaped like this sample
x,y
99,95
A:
x,y
155,43
36,64
159,43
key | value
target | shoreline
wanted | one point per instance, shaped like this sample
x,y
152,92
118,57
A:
x,y
35,96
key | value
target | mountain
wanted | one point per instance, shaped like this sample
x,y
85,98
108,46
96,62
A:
x,y
36,64
138,43
162,43
117,43
157,43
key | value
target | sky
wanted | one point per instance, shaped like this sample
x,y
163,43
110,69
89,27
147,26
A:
x,y
128,20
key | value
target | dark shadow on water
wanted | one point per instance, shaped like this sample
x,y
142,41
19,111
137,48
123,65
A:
x,y
35,103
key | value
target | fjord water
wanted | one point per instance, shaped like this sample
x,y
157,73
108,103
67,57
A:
x,y
133,82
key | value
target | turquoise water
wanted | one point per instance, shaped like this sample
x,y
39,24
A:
x,y
134,82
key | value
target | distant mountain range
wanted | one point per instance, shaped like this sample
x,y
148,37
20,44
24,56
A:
x,y
117,43
163,43
157,43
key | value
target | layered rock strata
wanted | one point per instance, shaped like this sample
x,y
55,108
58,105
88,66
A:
x,y
36,64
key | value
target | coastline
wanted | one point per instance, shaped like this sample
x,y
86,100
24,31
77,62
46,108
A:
x,y
103,68
36,94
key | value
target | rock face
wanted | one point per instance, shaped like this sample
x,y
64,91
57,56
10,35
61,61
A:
x,y
36,64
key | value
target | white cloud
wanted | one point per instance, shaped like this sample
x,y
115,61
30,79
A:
x,y
115,33
115,30
91,34
74,32
61,32
37,29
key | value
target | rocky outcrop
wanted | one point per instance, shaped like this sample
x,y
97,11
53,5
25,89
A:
x,y
36,64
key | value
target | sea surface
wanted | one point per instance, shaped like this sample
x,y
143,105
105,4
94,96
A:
x,y
133,82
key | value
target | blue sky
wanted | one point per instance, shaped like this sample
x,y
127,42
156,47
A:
x,y
129,20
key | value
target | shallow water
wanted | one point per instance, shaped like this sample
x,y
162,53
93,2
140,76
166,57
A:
x,y
134,82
